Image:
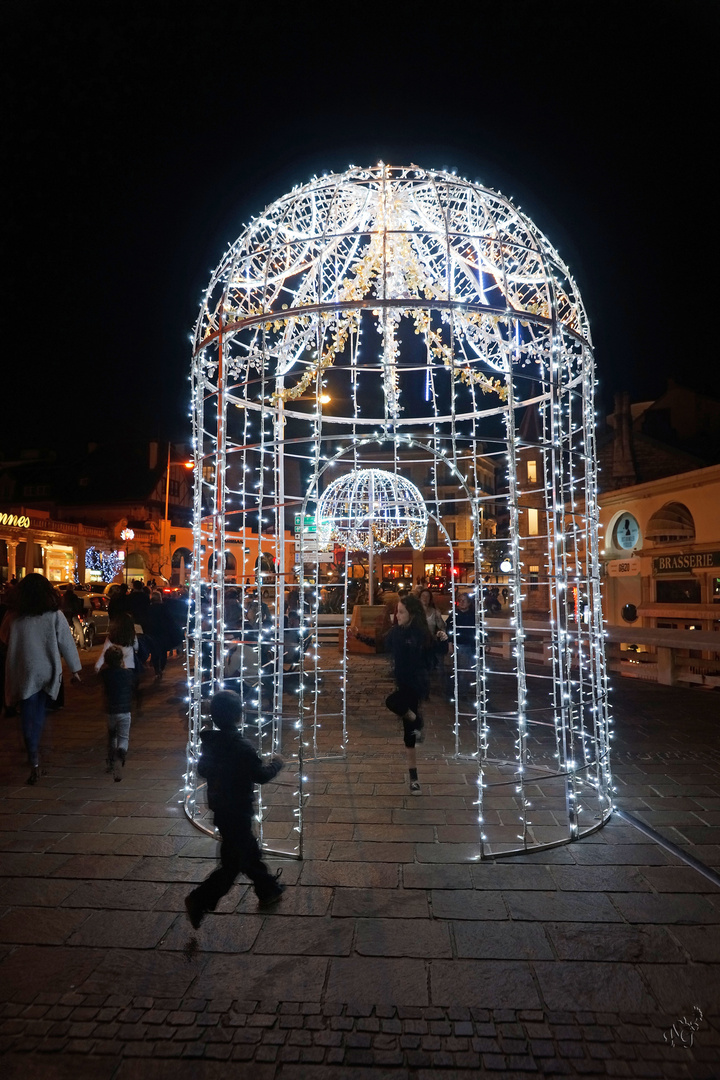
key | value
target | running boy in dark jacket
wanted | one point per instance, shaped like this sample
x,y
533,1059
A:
x,y
232,767
119,684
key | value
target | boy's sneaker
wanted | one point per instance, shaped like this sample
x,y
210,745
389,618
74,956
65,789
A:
x,y
194,912
415,788
273,896
118,765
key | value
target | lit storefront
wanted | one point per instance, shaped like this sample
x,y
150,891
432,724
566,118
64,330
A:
x,y
662,557
33,541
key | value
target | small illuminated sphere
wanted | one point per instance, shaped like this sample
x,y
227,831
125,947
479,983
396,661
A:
x,y
372,500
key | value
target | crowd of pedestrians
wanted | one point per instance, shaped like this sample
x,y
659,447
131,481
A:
x,y
40,628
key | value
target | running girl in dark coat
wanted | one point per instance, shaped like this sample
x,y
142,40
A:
x,y
411,645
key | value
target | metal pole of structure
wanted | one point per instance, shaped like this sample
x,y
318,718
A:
x,y
371,504
166,523
280,587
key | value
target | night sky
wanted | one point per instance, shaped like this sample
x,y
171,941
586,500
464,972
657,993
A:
x,y
140,137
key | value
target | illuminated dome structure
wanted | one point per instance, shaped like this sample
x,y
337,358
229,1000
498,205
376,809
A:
x,y
414,323
372,508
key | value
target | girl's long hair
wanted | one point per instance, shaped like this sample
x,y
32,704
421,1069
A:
x,y
35,595
418,619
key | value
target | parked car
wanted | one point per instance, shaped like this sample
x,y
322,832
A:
x,y
95,614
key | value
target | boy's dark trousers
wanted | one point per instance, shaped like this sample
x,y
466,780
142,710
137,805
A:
x,y
239,854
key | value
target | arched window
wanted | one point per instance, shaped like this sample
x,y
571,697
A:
x,y
672,522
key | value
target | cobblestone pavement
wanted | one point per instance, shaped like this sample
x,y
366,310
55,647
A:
x,y
395,952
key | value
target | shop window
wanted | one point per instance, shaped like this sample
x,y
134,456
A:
x,y
716,590
678,591
395,571
532,521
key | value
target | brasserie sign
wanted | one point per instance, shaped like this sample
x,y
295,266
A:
x,y
673,564
18,521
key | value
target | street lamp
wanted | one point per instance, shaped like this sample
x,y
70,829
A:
x,y
126,535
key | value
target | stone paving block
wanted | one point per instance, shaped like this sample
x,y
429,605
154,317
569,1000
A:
x,y
229,933
411,833
67,1067
667,908
433,876
350,874
30,969
330,831
502,941
600,879
118,929
388,937
35,892
377,980
259,976
141,972
29,926
86,844
380,903
29,841
678,988
467,904
132,895
447,853
138,826
64,823
96,866
313,902
152,845
416,816
156,868
560,907
620,854
679,879
505,875
701,942
32,864
483,983
358,815
356,851
305,936
593,986
614,942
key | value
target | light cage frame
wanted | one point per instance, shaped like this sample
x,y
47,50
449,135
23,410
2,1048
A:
x,y
453,344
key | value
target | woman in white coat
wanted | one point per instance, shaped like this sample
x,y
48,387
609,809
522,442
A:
x,y
40,639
